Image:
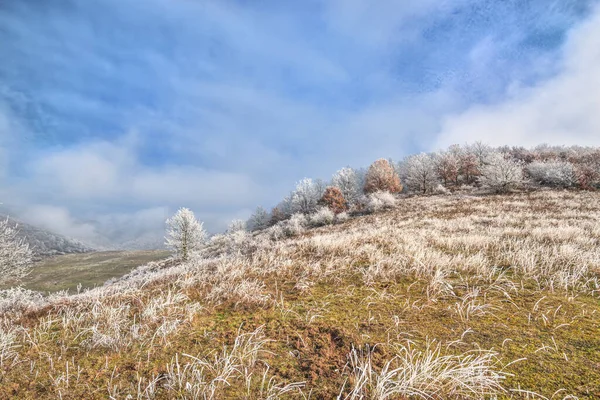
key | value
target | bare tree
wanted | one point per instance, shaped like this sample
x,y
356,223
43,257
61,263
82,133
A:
x,y
185,233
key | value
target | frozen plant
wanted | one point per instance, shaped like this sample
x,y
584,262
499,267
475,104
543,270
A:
x,y
421,173
501,174
305,197
237,225
258,220
15,254
381,176
348,181
185,234
552,173
296,225
342,217
379,201
323,216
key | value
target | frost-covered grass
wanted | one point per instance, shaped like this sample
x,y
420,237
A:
x,y
439,297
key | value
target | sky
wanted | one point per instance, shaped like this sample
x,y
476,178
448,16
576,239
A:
x,y
114,113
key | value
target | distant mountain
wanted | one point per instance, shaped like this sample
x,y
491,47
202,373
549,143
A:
x,y
44,243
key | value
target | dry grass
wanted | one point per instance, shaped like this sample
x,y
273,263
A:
x,y
444,297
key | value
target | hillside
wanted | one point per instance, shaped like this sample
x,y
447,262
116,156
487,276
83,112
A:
x,y
441,297
45,243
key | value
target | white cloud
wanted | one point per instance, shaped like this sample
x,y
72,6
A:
x,y
59,220
564,109
111,172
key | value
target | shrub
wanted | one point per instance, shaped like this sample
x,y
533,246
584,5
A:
x,y
15,254
237,225
587,176
552,173
381,176
441,189
379,201
342,217
295,226
323,216
334,200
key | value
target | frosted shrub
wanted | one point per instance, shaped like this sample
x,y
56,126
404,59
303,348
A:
x,y
228,243
342,217
552,173
380,201
276,232
18,300
323,216
15,254
236,225
296,225
441,189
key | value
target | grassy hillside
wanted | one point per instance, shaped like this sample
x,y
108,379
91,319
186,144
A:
x,y
444,297
67,272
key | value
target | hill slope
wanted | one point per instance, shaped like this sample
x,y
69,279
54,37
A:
x,y
45,243
442,297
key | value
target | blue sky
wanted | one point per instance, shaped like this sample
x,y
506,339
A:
x,y
113,113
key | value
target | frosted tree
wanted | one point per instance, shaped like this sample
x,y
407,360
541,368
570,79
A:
x,y
258,220
185,233
447,166
334,200
421,173
348,181
480,150
381,176
501,174
552,173
305,197
15,254
237,225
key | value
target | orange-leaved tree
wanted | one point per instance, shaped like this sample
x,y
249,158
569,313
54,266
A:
x,y
334,200
382,177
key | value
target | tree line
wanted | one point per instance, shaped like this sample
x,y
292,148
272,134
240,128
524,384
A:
x,y
458,168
